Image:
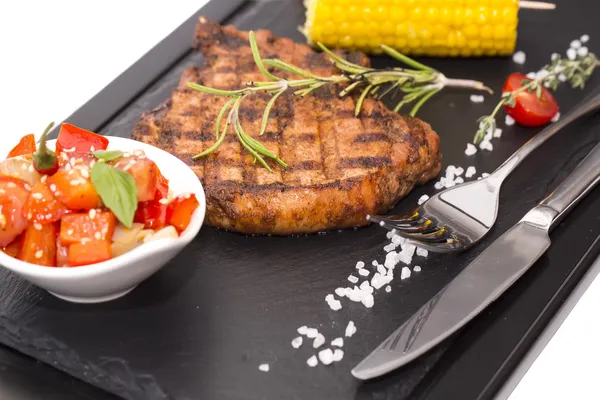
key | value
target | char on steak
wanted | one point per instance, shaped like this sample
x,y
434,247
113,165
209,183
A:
x,y
340,167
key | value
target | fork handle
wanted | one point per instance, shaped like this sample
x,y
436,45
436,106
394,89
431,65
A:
x,y
575,186
589,104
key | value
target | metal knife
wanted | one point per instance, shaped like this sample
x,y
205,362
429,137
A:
x,y
485,278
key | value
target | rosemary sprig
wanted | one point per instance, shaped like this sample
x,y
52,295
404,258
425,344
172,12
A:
x,y
418,84
576,72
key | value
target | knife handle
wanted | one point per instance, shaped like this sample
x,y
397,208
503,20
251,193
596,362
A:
x,y
575,186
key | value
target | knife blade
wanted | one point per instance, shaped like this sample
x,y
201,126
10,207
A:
x,y
488,276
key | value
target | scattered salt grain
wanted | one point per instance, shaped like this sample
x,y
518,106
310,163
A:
x,y
381,269
311,333
363,272
374,263
405,274
471,149
438,185
531,75
388,288
338,354
584,38
571,54
302,330
498,133
350,329
319,341
353,279
562,77
297,342
417,268
470,172
340,291
360,265
459,171
365,287
459,180
335,305
326,356
556,117
422,252
338,342
486,145
476,98
519,57
575,44
312,361
582,51
368,300
485,175
422,199
264,367
554,56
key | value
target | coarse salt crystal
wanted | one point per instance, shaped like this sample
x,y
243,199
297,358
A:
x,y
302,330
264,367
377,281
470,172
575,44
338,342
297,342
374,263
422,252
582,51
554,56
338,354
329,297
312,333
531,75
405,274
476,98
459,171
508,120
388,288
363,272
365,286
459,180
584,38
390,260
319,341
519,57
350,329
498,133
471,149
368,300
340,291
326,356
486,145
335,305
381,269
572,54
438,185
417,268
360,265
485,175
556,117
422,199
353,279
312,361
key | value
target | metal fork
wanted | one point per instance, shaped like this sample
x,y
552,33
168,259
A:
x,y
457,218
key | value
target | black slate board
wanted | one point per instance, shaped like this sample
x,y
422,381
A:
x,y
200,327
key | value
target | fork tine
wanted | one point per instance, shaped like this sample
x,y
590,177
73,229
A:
x,y
409,225
438,247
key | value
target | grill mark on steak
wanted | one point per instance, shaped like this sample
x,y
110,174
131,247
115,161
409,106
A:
x,y
341,167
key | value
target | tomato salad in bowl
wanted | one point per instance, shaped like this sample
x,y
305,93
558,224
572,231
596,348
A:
x,y
90,202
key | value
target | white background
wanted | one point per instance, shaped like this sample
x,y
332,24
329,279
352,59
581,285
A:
x,y
57,54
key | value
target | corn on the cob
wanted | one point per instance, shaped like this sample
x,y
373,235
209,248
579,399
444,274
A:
x,y
418,27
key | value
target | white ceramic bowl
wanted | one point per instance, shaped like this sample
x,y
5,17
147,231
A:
x,y
114,278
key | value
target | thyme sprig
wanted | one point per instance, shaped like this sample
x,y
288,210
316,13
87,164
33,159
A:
x,y
576,72
417,83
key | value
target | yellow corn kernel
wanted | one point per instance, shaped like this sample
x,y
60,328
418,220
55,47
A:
x,y
447,28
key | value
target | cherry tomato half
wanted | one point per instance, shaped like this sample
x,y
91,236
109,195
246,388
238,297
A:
x,y
529,110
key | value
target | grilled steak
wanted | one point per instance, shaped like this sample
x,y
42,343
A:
x,y
340,168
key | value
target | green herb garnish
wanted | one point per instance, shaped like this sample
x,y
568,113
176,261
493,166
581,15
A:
x,y
117,190
107,155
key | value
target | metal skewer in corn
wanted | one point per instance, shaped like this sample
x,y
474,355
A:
x,y
420,28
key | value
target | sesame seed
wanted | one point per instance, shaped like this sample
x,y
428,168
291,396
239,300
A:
x,y
92,149
37,196
105,230
23,166
70,232
39,254
97,236
72,149
29,215
127,167
138,153
57,193
85,240
132,162
92,213
31,169
85,173
74,182
27,186
64,156
72,161
126,155
67,167
44,177
141,157
37,226
163,201
92,163
53,187
2,191
11,185
48,216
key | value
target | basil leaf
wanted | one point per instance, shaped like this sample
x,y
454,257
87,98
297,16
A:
x,y
107,155
117,190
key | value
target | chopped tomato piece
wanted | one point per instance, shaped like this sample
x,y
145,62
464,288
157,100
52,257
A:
x,y
42,206
93,225
13,196
144,171
25,146
180,210
14,247
73,187
529,109
89,252
153,213
62,254
39,244
72,137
